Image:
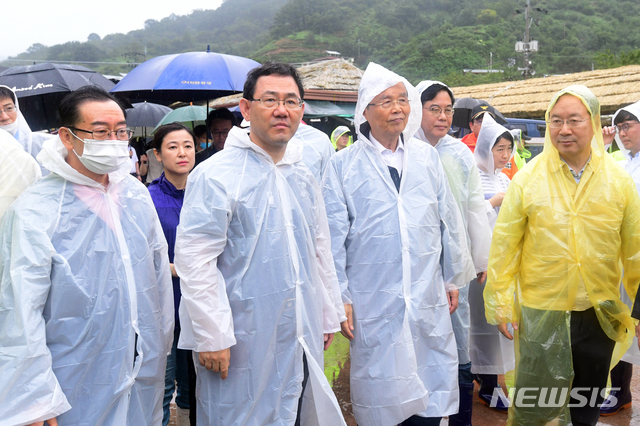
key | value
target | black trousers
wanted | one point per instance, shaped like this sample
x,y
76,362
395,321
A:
x,y
591,352
304,385
193,402
421,421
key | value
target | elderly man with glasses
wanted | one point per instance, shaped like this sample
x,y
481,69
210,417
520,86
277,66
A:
x,y
567,228
260,296
400,248
86,310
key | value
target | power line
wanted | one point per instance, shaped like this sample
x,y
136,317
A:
x,y
71,62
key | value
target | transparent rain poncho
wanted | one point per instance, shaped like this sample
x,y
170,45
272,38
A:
x,y
31,142
553,240
631,165
491,352
337,132
18,170
254,257
316,149
394,251
85,286
464,180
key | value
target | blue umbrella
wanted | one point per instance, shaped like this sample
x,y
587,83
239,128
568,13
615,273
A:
x,y
187,77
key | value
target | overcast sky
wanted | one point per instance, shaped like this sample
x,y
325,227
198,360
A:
x,y
54,22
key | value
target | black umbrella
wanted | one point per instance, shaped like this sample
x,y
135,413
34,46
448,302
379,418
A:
x,y
146,114
462,112
40,88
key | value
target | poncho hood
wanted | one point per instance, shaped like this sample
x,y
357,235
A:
x,y
23,127
632,109
486,140
421,87
375,80
592,104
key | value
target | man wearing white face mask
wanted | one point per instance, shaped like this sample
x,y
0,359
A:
x,y
91,309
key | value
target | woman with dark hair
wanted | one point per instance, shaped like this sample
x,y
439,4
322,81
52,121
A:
x,y
174,147
491,354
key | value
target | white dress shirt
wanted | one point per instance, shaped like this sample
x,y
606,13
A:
x,y
395,158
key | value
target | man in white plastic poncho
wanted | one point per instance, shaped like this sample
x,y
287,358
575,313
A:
x,y
259,290
18,170
626,123
12,121
397,239
568,222
86,312
464,180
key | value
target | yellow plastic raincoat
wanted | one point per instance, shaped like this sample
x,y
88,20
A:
x,y
551,236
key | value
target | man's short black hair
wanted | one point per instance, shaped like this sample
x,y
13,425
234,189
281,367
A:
x,y
623,116
270,68
7,93
200,130
162,131
69,108
221,114
432,91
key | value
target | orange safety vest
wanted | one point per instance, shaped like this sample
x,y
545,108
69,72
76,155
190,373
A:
x,y
470,140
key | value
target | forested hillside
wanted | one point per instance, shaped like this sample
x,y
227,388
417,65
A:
x,y
418,38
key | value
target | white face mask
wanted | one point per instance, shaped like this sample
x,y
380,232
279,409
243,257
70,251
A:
x,y
103,157
11,128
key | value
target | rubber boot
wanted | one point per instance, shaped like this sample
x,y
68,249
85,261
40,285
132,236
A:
x,y
463,418
618,399
488,387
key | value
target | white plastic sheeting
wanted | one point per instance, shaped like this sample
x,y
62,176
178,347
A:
x,y
460,167
18,170
316,149
31,142
393,253
84,271
490,351
253,253
632,166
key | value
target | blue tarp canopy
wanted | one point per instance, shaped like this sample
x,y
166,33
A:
x,y
328,109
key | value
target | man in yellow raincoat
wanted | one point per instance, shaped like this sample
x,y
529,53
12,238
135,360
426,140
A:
x,y
567,227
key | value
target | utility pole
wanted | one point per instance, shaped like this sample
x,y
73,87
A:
x,y
527,45
527,62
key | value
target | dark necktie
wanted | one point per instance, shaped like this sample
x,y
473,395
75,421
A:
x,y
395,177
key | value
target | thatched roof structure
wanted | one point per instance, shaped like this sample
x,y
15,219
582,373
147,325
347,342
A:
x,y
226,101
332,80
614,88
336,74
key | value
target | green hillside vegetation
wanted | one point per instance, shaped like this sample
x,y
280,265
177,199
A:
x,y
420,39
